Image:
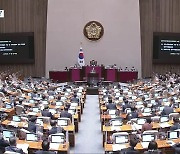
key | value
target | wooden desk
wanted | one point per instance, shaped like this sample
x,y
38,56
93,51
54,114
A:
x,y
63,148
162,145
69,128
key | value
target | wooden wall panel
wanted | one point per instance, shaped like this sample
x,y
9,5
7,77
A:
x,y
26,16
157,16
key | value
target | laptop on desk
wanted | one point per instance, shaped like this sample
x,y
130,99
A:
x,y
146,138
8,134
56,140
31,137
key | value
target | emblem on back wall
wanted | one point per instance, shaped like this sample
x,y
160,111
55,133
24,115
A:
x,y
93,30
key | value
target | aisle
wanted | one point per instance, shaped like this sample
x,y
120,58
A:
x,y
89,137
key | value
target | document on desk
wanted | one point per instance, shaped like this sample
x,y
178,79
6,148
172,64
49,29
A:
x,y
164,125
118,147
116,128
54,146
14,124
145,145
24,147
136,126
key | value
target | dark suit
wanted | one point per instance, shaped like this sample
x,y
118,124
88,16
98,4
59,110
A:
x,y
74,99
176,148
32,127
46,113
14,149
175,127
3,144
132,115
55,130
111,106
167,110
129,150
126,106
45,152
66,114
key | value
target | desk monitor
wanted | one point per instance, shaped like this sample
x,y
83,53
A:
x,y
53,111
68,90
148,137
165,99
39,120
31,137
161,108
153,101
8,106
63,98
156,94
79,94
141,121
62,122
173,134
112,112
56,138
121,139
164,119
8,133
147,110
16,118
31,101
59,103
74,104
116,122
35,109
134,97
72,111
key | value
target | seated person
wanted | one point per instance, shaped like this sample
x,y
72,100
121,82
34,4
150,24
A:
x,y
45,148
153,148
54,128
75,99
167,110
110,104
176,124
66,114
176,148
131,149
147,126
46,112
32,124
126,105
3,144
133,114
12,147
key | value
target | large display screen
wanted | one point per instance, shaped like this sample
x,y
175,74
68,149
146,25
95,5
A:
x,y
16,48
166,48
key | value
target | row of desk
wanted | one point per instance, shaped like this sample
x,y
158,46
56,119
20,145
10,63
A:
x,y
108,130
80,74
71,129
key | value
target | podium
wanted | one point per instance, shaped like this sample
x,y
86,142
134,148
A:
x,y
93,78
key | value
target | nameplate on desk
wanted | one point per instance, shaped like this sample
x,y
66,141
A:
x,y
118,147
116,128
